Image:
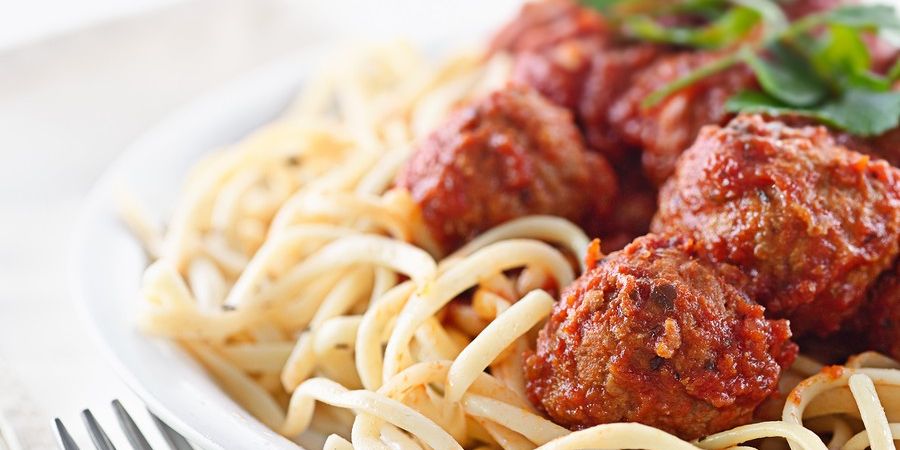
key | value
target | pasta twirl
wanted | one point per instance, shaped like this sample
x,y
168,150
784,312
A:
x,y
340,297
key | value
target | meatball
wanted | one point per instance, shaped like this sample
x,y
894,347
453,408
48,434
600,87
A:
x,y
879,319
653,334
508,155
635,207
587,77
668,128
885,146
570,55
558,72
810,222
553,43
610,75
544,24
835,349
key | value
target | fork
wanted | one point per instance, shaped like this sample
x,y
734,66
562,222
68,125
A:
x,y
132,432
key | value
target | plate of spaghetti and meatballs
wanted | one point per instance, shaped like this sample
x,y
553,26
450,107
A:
x,y
612,224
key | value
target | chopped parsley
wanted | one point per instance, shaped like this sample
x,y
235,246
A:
x,y
818,66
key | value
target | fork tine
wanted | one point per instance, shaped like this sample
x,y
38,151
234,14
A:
x,y
132,432
175,440
64,439
98,436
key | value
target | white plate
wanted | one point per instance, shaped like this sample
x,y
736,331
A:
x,y
107,261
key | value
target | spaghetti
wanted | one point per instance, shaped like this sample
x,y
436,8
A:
x,y
309,290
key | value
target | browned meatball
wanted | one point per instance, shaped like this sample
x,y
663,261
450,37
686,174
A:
x,y
508,155
558,72
635,207
611,73
571,56
553,43
654,335
810,222
544,24
668,128
879,319
587,77
886,146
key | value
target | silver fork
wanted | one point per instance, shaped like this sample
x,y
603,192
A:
x,y
132,432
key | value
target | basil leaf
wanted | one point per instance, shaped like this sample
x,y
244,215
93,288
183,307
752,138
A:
x,y
865,16
787,79
619,9
755,102
771,14
600,5
710,9
709,69
865,113
698,5
818,66
858,111
869,80
843,53
727,29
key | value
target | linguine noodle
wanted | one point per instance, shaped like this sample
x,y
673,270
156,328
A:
x,y
312,292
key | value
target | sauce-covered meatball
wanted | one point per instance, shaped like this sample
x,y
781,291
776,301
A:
x,y
610,75
653,334
811,223
879,319
571,56
559,72
885,146
508,155
553,43
544,24
666,129
635,207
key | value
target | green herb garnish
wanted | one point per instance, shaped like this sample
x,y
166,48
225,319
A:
x,y
787,79
864,16
726,30
818,66
862,112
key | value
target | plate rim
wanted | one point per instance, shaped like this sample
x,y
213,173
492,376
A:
x,y
290,69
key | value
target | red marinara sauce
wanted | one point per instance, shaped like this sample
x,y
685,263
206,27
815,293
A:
x,y
506,156
653,334
811,223
666,129
879,319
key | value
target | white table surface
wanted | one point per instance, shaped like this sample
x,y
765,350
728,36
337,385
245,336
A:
x,y
68,106
22,22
